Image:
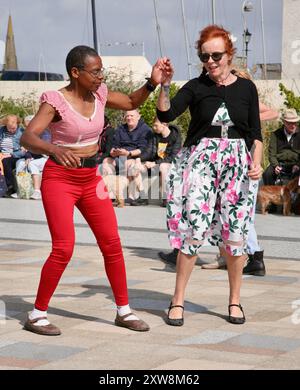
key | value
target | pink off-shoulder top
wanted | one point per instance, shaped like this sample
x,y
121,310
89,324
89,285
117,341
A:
x,y
75,129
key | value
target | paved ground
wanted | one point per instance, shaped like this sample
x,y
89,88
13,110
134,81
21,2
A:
x,y
83,307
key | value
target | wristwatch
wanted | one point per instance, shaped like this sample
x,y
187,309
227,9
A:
x,y
129,155
149,86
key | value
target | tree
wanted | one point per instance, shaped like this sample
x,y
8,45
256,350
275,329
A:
x,y
26,105
291,100
118,80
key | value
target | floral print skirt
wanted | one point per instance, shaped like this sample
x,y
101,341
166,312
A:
x,y
210,196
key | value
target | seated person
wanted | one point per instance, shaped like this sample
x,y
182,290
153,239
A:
x,y
163,146
10,148
130,140
284,149
106,140
34,163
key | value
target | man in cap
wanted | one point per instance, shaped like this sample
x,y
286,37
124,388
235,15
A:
x,y
284,149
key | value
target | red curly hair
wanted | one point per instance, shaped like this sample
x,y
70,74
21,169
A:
x,y
215,31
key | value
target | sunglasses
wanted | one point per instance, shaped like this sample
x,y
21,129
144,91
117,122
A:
x,y
216,56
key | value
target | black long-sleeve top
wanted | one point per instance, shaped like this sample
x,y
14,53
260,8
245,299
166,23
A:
x,y
203,98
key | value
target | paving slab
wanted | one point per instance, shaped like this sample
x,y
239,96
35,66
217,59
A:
x,y
84,309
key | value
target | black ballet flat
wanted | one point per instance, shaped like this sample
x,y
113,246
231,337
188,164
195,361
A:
x,y
236,320
175,321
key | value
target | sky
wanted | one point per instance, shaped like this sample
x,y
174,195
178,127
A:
x,y
45,30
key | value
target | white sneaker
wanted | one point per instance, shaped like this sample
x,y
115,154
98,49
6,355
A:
x,y
15,195
36,195
219,263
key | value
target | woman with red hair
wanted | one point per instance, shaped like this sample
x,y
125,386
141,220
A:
x,y
210,195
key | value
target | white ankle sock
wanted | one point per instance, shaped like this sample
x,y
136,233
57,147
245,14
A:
x,y
123,310
36,314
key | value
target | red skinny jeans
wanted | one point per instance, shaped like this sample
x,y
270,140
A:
x,y
62,189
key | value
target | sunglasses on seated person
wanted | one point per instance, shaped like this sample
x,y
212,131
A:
x,y
216,56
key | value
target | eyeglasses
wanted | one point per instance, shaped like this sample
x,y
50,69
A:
x,y
94,73
216,56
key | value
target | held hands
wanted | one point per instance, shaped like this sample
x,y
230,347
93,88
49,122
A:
x,y
66,157
255,172
162,71
149,164
138,165
116,152
277,170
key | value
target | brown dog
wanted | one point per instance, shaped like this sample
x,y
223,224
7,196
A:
x,y
278,195
116,186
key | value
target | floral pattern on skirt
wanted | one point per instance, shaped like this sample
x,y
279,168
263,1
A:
x,y
210,196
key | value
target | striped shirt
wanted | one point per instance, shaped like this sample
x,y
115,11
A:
x,y
6,145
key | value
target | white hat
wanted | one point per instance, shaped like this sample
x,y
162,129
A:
x,y
290,115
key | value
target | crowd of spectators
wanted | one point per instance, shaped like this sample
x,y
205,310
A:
x,y
136,151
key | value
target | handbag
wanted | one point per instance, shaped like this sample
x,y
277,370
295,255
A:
x,y
25,185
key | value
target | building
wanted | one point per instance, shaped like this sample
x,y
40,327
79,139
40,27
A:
x,y
273,71
137,67
290,56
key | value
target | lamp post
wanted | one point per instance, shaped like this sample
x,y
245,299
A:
x,y
246,38
247,6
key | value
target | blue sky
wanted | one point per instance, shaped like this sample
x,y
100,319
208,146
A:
x,y
46,30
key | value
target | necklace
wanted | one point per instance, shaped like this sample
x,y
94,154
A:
x,y
221,82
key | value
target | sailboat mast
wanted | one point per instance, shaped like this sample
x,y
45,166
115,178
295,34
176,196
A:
x,y
94,26
263,40
157,28
213,11
187,46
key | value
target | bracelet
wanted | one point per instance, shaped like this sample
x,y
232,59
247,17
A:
x,y
149,86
